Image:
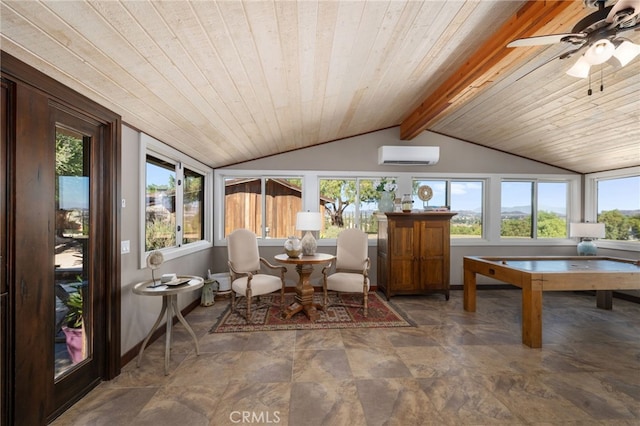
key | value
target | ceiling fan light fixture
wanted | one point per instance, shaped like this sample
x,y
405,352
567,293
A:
x,y
626,52
580,69
599,52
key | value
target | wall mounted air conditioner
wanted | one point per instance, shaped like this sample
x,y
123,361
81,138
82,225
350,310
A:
x,y
408,155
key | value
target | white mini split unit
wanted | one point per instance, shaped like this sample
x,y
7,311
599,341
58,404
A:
x,y
408,155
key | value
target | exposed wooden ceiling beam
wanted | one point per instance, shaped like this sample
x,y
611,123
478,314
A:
x,y
480,68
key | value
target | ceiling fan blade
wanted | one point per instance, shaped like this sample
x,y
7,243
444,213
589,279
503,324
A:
x,y
564,55
542,40
622,5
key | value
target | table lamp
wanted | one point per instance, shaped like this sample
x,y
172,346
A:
x,y
586,232
309,221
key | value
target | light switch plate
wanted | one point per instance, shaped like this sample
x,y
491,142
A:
x,y
125,247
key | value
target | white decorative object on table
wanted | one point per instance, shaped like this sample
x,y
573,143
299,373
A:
x,y
293,246
309,222
386,187
154,260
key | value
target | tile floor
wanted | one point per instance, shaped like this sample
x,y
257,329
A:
x,y
454,368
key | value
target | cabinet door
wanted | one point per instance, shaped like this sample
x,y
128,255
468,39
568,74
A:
x,y
401,256
431,248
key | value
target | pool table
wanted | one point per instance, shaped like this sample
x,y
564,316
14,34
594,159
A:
x,y
550,273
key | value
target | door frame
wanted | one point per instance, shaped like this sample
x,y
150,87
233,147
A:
x,y
24,78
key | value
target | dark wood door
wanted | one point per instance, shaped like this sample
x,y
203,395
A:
x,y
4,295
62,235
40,245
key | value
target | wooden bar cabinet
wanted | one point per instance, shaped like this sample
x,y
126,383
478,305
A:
x,y
414,253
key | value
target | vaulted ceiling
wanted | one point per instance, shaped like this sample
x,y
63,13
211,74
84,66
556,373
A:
x,y
230,81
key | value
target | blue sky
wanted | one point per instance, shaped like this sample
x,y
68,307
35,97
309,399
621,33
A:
x,y
621,194
73,192
158,175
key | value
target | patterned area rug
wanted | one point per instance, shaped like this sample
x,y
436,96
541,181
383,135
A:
x,y
381,314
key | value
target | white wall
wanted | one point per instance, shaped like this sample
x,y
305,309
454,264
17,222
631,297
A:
x,y
360,153
140,312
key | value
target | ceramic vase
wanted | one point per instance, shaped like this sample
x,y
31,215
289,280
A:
x,y
385,205
293,246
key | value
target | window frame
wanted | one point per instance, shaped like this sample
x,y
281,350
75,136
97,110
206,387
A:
x,y
591,203
448,181
570,214
155,148
491,200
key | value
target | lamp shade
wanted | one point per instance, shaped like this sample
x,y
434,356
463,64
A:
x,y
626,52
309,221
599,52
586,230
580,69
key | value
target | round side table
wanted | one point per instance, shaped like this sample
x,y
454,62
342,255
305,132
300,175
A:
x,y
169,295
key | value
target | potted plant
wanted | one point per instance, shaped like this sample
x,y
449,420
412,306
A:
x,y
74,329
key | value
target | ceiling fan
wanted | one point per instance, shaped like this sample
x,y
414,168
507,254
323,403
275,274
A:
x,y
598,34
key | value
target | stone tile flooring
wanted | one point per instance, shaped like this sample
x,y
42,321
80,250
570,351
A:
x,y
454,368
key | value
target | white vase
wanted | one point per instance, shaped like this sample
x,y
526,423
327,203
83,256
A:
x,y
293,246
385,205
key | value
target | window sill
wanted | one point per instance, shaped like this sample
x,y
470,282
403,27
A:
x,y
177,252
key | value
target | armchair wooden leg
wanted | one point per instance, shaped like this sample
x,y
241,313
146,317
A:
x,y
366,304
249,306
233,301
282,299
325,298
365,301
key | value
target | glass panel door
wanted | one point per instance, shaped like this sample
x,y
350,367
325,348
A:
x,y
72,282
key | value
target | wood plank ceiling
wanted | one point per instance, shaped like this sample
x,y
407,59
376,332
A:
x,y
230,81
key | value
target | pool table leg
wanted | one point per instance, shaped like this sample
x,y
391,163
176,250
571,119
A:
x,y
532,315
469,295
604,299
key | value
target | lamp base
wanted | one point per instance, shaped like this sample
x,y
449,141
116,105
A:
x,y
309,244
587,248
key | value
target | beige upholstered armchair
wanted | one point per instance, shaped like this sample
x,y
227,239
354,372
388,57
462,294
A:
x,y
351,272
245,270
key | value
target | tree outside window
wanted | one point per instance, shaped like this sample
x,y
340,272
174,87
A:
x,y
349,203
174,205
619,208
533,209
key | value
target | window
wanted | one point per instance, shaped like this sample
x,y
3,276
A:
x,y
176,204
267,202
552,210
618,207
467,200
193,207
465,197
532,209
265,205
160,212
348,203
